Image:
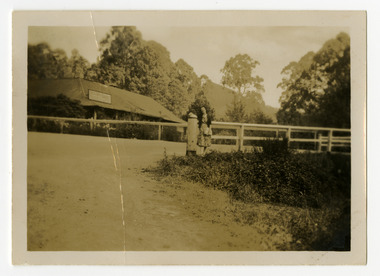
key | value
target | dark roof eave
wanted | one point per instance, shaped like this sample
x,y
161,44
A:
x,y
77,89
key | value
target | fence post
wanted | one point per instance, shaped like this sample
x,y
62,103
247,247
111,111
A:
x,y
34,124
241,137
192,129
319,142
61,123
329,142
315,143
159,132
182,132
95,116
288,135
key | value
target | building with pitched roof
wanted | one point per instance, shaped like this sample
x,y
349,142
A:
x,y
103,101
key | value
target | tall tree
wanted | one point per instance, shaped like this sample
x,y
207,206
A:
x,y
237,74
191,83
78,64
123,59
292,72
144,67
236,111
335,62
317,88
46,63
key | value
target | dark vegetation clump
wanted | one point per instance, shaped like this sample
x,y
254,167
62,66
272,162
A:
x,y
315,186
300,180
60,106
127,131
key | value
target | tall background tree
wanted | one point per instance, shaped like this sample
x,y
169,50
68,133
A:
x,y
47,63
237,74
236,111
144,67
317,88
78,64
248,102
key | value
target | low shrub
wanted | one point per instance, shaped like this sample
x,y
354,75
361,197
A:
x,y
275,176
133,131
275,146
317,185
44,125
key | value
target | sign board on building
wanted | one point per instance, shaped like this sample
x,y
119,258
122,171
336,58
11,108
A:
x,y
98,96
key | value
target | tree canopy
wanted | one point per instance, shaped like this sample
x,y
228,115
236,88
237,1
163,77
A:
x,y
248,102
237,74
317,88
46,63
144,67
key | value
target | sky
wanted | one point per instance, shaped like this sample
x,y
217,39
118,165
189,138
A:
x,y
207,49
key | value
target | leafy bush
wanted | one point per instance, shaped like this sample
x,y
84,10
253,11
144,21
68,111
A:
x,y
78,128
274,176
275,146
44,125
133,131
317,186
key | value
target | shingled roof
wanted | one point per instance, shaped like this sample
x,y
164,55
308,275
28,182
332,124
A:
x,y
96,94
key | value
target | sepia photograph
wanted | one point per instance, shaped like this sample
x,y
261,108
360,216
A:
x,y
202,137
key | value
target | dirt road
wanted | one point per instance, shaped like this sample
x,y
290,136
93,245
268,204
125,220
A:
x,y
92,194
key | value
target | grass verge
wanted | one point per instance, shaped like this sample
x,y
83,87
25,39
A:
x,y
305,195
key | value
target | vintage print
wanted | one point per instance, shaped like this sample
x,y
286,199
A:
x,y
213,138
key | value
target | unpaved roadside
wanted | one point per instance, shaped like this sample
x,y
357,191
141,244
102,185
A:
x,y
75,185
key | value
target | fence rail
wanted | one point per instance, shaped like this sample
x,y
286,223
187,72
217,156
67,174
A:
x,y
100,121
319,137
93,123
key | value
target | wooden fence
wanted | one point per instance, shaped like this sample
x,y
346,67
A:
x,y
328,138
320,138
93,123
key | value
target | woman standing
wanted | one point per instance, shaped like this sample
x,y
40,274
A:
x,y
204,137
